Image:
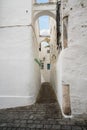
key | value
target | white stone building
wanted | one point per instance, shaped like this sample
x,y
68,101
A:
x,y
74,68
20,75
44,56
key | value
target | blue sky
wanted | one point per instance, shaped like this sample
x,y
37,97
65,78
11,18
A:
x,y
44,22
42,1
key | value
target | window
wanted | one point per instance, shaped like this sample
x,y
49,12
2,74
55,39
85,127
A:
x,y
42,64
40,49
43,58
48,66
48,51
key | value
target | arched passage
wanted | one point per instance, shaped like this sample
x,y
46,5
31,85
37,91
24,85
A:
x,y
44,51
42,13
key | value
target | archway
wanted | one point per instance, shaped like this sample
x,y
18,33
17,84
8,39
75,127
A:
x,y
45,52
49,10
42,13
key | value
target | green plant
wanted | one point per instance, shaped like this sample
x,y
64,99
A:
x,y
38,62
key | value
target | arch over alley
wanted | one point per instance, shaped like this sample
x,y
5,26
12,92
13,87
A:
x,y
44,9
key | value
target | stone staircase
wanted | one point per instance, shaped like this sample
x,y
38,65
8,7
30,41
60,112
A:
x,y
46,94
45,114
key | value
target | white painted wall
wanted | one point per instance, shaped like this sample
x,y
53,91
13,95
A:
x,y
56,64
71,64
15,12
19,73
74,71
53,56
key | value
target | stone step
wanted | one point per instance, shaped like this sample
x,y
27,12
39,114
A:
x,y
40,116
46,94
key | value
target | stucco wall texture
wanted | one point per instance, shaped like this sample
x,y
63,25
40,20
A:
x,y
74,57
19,73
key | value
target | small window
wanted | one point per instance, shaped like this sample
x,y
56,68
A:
x,y
42,65
48,66
40,49
48,51
43,58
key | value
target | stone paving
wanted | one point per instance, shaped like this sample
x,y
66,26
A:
x,y
45,114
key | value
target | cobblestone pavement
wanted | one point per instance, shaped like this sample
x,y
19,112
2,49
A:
x,y
45,114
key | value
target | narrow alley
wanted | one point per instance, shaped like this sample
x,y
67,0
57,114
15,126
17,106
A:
x,y
43,64
45,114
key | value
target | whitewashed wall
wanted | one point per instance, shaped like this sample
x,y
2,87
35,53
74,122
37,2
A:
x,y
56,65
15,12
45,73
74,71
19,74
71,64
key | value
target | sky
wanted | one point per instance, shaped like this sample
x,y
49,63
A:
x,y
42,1
43,21
44,25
